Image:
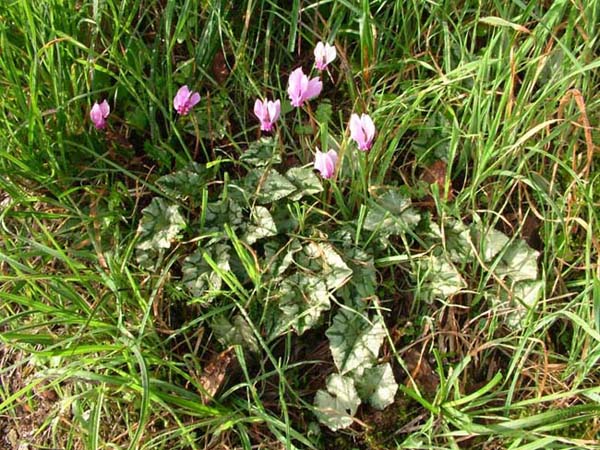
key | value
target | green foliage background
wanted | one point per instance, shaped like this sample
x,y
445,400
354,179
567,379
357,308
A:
x,y
133,261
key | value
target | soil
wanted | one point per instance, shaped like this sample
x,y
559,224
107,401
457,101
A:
x,y
21,427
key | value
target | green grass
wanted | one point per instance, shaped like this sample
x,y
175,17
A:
x,y
98,351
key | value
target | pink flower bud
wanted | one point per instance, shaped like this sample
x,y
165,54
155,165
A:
x,y
300,88
267,112
185,100
325,163
99,113
324,54
362,130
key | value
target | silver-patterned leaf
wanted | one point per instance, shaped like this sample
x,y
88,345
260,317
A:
x,y
519,262
267,185
514,307
234,332
199,277
377,386
262,153
438,278
160,225
305,180
491,243
186,183
354,341
303,299
334,270
261,225
391,214
337,405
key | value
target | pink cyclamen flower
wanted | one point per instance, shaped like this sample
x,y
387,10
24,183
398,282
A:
x,y
324,54
300,88
362,130
185,100
99,113
326,162
267,112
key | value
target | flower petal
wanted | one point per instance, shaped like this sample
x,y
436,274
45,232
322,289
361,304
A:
x,y
320,56
356,132
313,88
330,53
295,86
325,163
368,126
97,115
259,109
181,97
193,100
274,108
319,161
319,50
333,157
105,109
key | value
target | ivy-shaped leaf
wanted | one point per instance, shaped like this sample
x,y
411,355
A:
x,y
524,296
261,225
438,278
460,240
268,185
303,300
224,211
186,183
377,386
519,262
337,406
391,214
199,277
234,332
354,342
277,260
324,111
305,180
433,138
456,240
262,153
160,225
286,222
490,243
334,270
364,275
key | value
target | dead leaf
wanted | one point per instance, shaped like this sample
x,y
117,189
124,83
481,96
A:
x,y
220,69
421,371
214,374
436,174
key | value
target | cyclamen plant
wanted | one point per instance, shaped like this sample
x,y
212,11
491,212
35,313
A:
x,y
309,272
345,390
